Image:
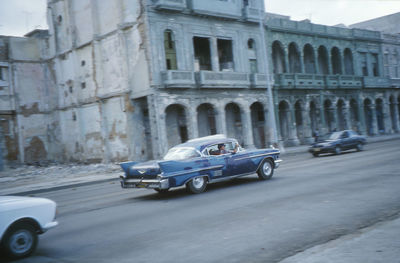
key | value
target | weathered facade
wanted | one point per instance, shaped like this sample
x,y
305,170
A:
x,y
127,79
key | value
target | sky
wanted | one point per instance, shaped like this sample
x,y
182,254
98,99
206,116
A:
x,y
18,17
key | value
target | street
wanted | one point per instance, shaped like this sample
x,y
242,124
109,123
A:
x,y
308,202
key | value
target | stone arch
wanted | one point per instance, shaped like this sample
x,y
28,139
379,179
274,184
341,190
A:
x,y
176,124
380,115
298,114
278,57
234,126
329,115
258,124
354,115
170,50
336,61
323,60
206,119
294,58
368,116
348,62
341,114
309,59
284,118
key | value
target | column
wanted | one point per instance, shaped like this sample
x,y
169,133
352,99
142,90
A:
x,y
396,116
334,113
308,136
374,120
302,66
247,128
387,118
346,117
286,56
220,120
316,62
191,119
214,54
341,55
293,140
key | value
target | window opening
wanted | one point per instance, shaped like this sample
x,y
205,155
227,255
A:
x,y
202,54
170,52
225,55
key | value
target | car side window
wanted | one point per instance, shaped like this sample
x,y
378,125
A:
x,y
345,135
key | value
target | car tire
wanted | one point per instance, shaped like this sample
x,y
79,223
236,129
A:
x,y
20,241
338,150
359,147
197,185
266,170
162,191
315,154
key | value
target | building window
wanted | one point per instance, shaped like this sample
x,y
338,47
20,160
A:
x,y
225,55
386,64
251,50
375,66
363,63
202,53
2,74
170,52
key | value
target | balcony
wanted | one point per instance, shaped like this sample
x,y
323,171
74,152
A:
x,y
314,81
211,79
350,81
251,14
177,5
395,83
288,80
260,80
178,79
376,82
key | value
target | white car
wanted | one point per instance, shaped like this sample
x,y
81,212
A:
x,y
21,220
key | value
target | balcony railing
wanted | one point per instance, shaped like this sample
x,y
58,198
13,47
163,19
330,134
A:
x,y
395,83
376,82
309,81
210,79
178,5
251,14
178,79
260,80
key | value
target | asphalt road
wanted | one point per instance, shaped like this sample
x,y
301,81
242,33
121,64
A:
x,y
309,201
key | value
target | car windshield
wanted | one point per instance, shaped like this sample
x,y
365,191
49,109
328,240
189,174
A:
x,y
333,136
181,153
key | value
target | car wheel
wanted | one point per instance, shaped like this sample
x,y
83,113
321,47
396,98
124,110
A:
x,y
161,191
338,150
315,154
359,147
20,240
197,185
266,170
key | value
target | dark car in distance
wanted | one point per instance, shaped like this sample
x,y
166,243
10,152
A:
x,y
336,142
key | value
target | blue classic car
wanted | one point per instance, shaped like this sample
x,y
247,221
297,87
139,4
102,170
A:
x,y
199,162
336,142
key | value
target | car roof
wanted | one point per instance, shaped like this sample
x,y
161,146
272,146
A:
x,y
202,142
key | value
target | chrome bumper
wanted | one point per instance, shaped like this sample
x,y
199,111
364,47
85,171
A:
x,y
277,163
143,183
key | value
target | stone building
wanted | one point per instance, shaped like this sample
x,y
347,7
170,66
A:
x,y
127,79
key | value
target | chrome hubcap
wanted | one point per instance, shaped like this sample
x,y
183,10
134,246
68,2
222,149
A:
x,y
21,241
267,168
198,182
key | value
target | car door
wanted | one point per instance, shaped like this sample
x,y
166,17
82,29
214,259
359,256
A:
x,y
346,140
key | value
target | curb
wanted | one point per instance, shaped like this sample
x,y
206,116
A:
x,y
62,187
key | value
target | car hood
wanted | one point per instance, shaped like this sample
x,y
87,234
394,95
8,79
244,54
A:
x,y
22,201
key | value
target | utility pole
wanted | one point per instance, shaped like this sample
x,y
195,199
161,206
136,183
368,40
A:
x,y
271,109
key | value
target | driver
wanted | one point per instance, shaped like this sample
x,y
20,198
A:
x,y
221,149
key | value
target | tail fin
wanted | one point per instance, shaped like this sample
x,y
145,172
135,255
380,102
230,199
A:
x,y
125,166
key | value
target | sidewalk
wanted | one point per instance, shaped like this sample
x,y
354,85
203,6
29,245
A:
x,y
30,179
379,243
